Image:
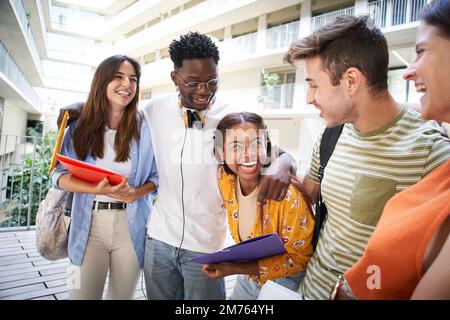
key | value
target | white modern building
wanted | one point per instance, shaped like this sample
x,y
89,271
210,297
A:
x,y
49,50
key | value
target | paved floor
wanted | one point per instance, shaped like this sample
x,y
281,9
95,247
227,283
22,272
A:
x,y
24,274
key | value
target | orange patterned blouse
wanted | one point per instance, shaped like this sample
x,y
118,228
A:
x,y
291,218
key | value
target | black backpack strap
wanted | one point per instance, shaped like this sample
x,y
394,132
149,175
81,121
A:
x,y
329,139
328,142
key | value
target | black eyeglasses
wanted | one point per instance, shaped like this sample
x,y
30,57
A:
x,y
211,84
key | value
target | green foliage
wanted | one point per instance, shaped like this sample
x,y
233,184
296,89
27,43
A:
x,y
35,131
270,79
20,179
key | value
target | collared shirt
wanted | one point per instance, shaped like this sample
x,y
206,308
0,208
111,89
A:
x,y
188,211
291,218
143,170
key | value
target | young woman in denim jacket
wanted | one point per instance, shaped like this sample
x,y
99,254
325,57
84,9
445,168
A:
x,y
108,226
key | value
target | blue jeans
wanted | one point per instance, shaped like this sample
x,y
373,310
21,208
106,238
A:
x,y
171,276
247,289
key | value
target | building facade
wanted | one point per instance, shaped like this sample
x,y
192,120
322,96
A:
x,y
49,50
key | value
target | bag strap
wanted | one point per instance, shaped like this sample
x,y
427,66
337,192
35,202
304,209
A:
x,y
328,142
329,139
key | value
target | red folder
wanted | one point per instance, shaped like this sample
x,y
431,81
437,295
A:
x,y
88,172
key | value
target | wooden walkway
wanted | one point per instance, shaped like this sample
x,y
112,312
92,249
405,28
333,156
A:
x,y
25,275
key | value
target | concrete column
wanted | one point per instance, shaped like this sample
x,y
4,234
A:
x,y
2,108
304,31
361,7
261,35
227,33
310,127
305,19
307,126
224,46
299,100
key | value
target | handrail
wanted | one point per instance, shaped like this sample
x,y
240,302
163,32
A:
x,y
24,162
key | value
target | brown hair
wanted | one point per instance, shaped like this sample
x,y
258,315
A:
x,y
346,42
89,134
233,119
437,14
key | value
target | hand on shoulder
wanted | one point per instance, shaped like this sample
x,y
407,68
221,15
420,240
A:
x,y
74,112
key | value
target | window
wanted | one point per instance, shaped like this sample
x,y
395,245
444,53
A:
x,y
147,94
277,90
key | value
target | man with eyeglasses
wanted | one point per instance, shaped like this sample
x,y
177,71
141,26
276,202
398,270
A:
x,y
211,84
188,218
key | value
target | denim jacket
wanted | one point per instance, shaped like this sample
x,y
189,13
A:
x,y
143,170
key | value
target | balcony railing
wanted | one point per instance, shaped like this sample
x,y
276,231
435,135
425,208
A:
x,y
237,47
23,19
282,36
323,19
78,21
24,179
278,37
389,13
69,44
10,69
277,97
386,13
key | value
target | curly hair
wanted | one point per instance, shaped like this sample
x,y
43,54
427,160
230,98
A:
x,y
193,45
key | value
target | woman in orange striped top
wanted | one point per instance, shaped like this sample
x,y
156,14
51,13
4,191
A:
x,y
242,144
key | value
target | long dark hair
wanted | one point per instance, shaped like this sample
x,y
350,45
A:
x,y
437,14
94,117
233,119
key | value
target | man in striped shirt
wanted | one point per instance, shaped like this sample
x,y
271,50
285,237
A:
x,y
383,149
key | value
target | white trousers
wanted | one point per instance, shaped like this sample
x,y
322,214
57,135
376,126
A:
x,y
109,248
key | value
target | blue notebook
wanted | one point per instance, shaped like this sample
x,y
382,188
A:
x,y
249,250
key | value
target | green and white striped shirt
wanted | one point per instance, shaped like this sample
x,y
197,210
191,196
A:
x,y
364,172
